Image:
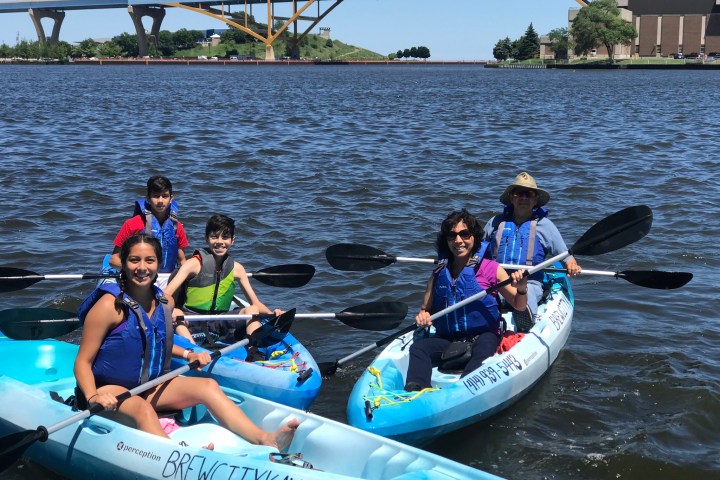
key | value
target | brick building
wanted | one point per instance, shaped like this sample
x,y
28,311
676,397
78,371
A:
x,y
665,28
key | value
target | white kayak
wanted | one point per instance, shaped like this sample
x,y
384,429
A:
x,y
100,447
378,402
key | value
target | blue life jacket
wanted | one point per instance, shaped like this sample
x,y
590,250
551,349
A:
x,y
518,245
480,316
166,233
137,350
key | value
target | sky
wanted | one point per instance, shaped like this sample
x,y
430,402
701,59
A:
x,y
451,29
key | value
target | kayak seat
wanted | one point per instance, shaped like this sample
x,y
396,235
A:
x,y
523,320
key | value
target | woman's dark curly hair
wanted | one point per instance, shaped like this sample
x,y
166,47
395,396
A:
x,y
449,223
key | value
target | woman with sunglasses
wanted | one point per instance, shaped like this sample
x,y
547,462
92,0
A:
x,y
524,235
461,273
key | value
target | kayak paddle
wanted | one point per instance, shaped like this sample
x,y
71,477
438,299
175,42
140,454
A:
x,y
41,323
36,323
611,233
375,316
289,276
12,446
360,258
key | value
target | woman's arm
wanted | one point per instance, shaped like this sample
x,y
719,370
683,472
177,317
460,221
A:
x,y
101,318
423,316
516,292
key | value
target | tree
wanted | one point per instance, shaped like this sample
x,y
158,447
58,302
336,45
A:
x,y
600,24
109,49
166,43
559,42
528,45
127,43
86,48
414,52
186,39
406,53
399,54
503,49
423,52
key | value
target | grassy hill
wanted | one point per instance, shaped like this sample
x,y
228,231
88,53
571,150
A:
x,y
313,47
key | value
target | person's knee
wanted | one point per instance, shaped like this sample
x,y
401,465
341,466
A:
x,y
251,310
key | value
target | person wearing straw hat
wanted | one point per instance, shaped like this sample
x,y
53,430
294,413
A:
x,y
524,235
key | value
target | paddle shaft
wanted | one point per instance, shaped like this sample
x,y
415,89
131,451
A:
x,y
79,276
509,266
207,318
144,387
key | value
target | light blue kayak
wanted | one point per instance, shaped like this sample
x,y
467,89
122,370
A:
x,y
287,373
378,402
34,384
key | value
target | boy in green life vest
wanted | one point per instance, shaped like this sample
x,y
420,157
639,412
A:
x,y
205,284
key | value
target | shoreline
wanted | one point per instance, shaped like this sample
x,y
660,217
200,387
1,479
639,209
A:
x,y
227,62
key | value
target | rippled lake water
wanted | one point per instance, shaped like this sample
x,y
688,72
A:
x,y
305,157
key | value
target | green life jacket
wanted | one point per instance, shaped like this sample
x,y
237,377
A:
x,y
212,290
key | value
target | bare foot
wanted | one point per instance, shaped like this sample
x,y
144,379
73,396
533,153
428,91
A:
x,y
282,437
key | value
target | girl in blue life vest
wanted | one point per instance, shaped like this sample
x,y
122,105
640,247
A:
x,y
110,336
461,276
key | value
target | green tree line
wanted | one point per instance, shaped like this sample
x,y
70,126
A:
x,y
414,52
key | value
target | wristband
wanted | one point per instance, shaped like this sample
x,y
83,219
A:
x,y
91,397
186,353
522,293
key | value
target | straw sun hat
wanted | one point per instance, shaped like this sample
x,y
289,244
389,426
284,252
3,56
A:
x,y
525,180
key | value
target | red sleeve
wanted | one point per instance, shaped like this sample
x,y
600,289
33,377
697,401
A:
x,y
130,227
181,237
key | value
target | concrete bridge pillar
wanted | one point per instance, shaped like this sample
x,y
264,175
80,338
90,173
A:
x,y
136,13
269,53
37,14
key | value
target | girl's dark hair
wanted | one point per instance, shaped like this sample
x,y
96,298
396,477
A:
x,y
125,253
219,223
449,223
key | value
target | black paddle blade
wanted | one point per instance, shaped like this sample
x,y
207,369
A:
x,y
375,316
10,284
288,276
273,330
656,279
615,231
328,368
352,257
37,323
14,445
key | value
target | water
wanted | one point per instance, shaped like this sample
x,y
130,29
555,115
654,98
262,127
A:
x,y
305,157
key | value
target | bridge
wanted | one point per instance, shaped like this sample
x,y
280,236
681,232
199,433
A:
x,y
55,10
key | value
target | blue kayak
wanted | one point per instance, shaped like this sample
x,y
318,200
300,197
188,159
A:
x,y
282,370
378,402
